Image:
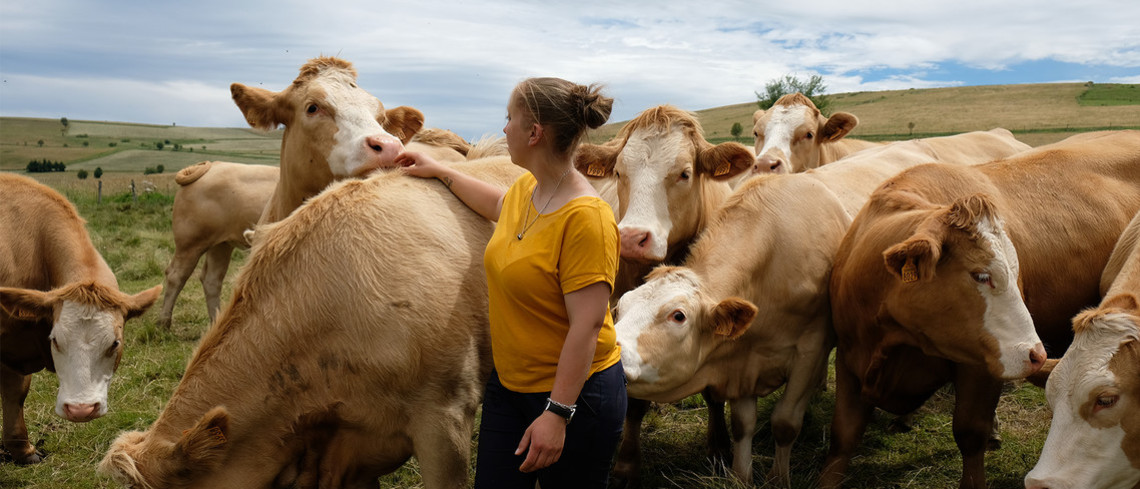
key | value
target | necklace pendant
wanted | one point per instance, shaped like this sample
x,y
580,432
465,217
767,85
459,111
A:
x,y
519,236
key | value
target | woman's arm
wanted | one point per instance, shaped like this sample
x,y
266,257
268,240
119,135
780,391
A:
x,y
480,196
546,435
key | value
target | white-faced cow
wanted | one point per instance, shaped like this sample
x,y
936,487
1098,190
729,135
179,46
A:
x,y
1094,391
748,310
356,337
60,309
333,129
928,285
666,180
793,136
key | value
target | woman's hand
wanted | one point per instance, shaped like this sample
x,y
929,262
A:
x,y
544,438
419,164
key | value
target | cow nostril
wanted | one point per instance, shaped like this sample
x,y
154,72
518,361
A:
x,y
775,166
377,148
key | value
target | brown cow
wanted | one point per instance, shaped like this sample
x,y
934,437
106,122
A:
x,y
333,129
356,338
60,309
766,255
792,136
925,288
1094,391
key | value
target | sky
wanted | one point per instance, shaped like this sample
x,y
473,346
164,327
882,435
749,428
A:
x,y
173,62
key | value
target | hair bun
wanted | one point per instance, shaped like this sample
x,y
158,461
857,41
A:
x,y
595,107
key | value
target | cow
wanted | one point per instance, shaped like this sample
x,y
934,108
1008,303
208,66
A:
x,y
333,129
217,202
1094,390
747,312
966,275
663,180
793,136
356,337
60,310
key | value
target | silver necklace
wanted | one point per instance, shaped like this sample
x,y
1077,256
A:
x,y
552,193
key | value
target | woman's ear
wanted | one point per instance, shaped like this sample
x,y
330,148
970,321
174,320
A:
x,y
536,133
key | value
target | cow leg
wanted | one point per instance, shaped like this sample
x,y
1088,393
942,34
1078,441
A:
x,y
717,439
743,427
13,390
852,413
213,274
177,273
627,466
788,415
976,399
442,445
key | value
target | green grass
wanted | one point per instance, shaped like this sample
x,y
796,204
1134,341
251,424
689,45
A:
x,y
1099,95
135,239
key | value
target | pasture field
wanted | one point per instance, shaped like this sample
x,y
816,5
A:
x,y
135,238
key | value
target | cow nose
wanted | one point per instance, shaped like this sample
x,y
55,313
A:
x,y
635,243
769,164
385,147
80,412
1037,358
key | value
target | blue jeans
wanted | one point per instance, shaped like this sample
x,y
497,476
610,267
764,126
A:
x,y
591,437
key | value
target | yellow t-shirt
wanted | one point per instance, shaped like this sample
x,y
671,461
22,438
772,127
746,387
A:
x,y
563,251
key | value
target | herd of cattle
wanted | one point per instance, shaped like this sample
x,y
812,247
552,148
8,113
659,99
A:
x,y
356,335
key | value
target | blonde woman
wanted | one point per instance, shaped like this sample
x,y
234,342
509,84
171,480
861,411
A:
x,y
554,404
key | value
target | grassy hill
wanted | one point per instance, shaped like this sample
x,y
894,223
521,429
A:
x,y
1036,113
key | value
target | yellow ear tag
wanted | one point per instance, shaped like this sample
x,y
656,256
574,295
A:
x,y
909,272
596,170
721,170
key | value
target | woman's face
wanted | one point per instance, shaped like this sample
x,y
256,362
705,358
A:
x,y
518,129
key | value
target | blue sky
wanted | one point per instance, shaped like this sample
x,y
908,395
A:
x,y
173,62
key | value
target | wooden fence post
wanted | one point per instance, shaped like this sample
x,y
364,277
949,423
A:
x,y
99,194
134,195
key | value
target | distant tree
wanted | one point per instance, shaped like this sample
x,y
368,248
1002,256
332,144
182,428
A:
x,y
63,120
59,166
737,129
167,142
910,125
82,174
33,167
112,144
159,169
149,170
85,144
158,144
813,89
40,142
98,171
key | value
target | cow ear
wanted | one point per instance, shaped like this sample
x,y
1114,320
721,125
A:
x,y
914,259
260,107
732,317
1124,301
202,447
837,126
26,304
725,160
403,122
757,115
596,160
140,302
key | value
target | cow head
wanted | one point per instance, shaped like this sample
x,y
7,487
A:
x,y
664,170
333,128
667,327
143,459
86,338
956,290
1094,392
790,135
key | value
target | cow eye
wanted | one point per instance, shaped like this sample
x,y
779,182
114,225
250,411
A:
x,y
113,348
685,175
617,174
55,344
1104,402
982,278
312,109
677,316
755,134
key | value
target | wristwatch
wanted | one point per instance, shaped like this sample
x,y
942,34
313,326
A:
x,y
562,410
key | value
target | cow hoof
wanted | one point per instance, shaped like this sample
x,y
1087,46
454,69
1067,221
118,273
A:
x,y
34,457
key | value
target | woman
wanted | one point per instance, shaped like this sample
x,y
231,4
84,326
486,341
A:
x,y
555,401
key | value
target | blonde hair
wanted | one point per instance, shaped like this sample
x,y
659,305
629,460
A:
x,y
565,108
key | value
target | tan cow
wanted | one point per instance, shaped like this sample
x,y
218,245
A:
x,y
333,129
928,283
765,256
1094,391
440,144
356,338
793,136
60,309
215,203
